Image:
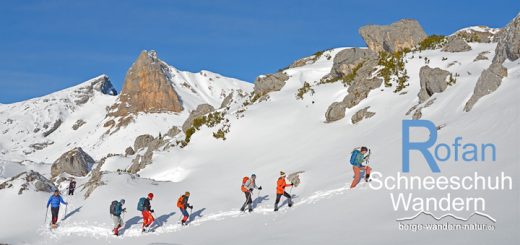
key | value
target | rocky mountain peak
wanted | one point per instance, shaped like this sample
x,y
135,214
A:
x,y
147,88
403,34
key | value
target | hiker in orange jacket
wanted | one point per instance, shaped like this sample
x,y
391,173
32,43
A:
x,y
147,212
248,185
182,204
280,190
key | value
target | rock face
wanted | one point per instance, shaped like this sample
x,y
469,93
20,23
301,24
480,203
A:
x,y
480,34
147,88
149,143
129,151
201,109
172,132
405,33
346,60
100,84
482,56
456,44
74,162
362,114
336,111
55,126
362,84
271,82
487,83
508,47
30,180
78,124
227,100
142,141
432,81
509,43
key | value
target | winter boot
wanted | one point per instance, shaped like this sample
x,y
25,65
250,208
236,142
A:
x,y
367,177
290,203
250,210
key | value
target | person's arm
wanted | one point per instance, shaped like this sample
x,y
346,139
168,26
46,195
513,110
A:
x,y
61,200
49,202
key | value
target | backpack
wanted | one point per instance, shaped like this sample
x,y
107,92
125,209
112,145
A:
x,y
113,207
180,202
140,204
243,187
353,157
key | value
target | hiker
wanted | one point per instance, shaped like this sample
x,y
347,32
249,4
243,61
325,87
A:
x,y
72,186
182,204
55,200
248,185
116,209
280,190
358,157
146,210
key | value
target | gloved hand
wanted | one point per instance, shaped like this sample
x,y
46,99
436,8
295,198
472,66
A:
x,y
191,207
250,189
152,211
124,209
66,203
260,188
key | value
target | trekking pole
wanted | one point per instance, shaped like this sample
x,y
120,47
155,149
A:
x,y
46,213
65,216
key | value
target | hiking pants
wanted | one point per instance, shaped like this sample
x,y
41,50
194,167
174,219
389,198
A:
x,y
357,174
278,196
185,215
55,211
147,218
248,201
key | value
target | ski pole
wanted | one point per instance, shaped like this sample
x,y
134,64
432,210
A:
x,y
46,213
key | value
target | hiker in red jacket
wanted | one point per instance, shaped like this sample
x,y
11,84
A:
x,y
280,190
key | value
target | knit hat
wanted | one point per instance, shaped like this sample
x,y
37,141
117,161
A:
x,y
187,193
150,196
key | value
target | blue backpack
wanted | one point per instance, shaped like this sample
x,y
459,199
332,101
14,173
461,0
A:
x,y
353,157
140,204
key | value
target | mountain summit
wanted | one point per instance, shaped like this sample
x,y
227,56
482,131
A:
x,y
147,88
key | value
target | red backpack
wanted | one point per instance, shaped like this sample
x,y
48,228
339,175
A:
x,y
243,188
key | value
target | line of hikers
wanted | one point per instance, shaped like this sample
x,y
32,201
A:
x,y
359,160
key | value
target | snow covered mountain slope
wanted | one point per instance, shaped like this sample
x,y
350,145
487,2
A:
x,y
42,129
281,132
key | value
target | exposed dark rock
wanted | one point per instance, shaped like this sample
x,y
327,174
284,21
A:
x,y
362,114
271,82
432,81
403,34
199,111
78,124
482,56
456,44
74,162
142,141
227,100
55,126
30,180
174,131
129,151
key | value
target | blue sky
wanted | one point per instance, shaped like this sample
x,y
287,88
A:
x,y
50,45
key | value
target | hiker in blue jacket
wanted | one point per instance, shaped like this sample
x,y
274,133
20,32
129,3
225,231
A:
x,y
55,201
